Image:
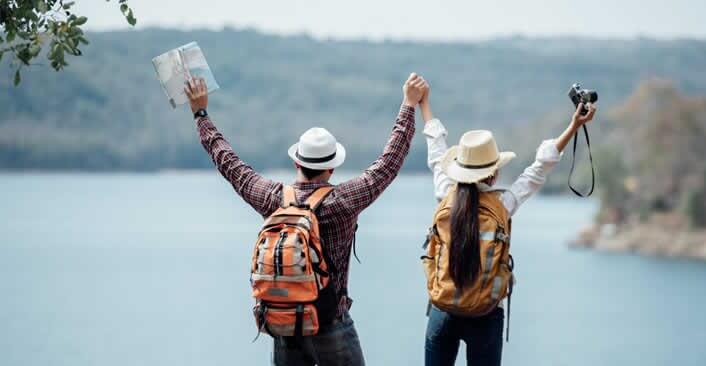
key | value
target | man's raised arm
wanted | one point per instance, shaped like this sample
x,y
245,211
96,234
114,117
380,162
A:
x,y
257,191
358,193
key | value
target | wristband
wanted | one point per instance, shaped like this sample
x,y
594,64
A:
x,y
200,113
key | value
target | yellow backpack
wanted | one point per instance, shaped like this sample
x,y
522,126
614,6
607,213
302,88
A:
x,y
495,279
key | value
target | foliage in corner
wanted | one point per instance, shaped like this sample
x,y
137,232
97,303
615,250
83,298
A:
x,y
29,26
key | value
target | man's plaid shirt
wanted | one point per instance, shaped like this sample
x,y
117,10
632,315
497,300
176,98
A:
x,y
339,212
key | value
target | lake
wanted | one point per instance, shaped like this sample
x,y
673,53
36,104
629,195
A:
x,y
152,269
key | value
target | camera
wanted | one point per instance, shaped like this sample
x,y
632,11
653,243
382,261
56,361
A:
x,y
578,95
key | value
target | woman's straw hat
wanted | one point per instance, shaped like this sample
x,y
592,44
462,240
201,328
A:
x,y
475,158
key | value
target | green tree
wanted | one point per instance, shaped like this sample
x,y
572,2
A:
x,y
694,203
28,26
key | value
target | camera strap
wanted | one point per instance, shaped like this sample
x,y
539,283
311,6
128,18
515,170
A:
x,y
573,162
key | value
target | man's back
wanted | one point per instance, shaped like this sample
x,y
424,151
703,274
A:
x,y
339,212
336,228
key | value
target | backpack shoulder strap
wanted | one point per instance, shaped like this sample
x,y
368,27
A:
x,y
289,198
445,203
318,196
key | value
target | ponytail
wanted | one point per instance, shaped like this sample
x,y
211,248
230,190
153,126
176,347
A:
x,y
464,258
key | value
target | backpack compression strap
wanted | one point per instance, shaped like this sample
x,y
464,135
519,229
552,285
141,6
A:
x,y
288,196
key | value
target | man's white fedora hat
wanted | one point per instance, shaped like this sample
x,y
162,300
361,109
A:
x,y
475,158
318,149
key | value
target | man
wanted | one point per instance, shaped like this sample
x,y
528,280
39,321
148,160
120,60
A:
x,y
315,157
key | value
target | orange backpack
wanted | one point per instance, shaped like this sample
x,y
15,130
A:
x,y
495,279
290,274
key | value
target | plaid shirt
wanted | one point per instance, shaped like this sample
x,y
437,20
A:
x,y
339,212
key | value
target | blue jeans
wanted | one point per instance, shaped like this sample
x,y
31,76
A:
x,y
336,344
483,337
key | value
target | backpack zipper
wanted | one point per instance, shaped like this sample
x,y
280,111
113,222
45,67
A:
x,y
278,254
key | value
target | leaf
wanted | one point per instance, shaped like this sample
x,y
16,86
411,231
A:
x,y
23,54
42,6
131,19
124,8
18,78
83,40
68,5
34,49
80,21
75,31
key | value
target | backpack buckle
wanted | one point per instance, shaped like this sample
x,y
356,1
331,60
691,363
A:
x,y
501,236
427,240
303,206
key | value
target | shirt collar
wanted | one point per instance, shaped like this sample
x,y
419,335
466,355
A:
x,y
483,187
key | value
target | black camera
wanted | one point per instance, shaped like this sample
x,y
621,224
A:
x,y
578,95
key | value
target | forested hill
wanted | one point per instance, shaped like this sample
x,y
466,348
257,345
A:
x,y
107,111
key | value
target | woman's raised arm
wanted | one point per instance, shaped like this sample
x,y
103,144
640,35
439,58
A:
x,y
435,133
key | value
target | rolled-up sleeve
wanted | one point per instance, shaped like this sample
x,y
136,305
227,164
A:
x,y
533,177
435,134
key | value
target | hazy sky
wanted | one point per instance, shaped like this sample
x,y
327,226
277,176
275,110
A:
x,y
417,19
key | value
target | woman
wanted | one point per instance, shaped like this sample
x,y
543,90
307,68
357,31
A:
x,y
463,177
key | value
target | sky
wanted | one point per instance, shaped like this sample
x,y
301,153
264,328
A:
x,y
444,20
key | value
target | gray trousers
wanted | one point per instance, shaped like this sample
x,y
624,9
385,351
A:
x,y
336,344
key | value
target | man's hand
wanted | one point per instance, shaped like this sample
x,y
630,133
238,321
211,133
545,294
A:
x,y
414,89
197,92
578,120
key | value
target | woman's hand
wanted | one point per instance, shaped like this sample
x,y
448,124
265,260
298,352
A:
x,y
425,106
577,120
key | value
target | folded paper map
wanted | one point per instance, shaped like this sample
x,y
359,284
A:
x,y
175,67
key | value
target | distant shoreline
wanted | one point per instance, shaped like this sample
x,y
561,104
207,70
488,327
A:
x,y
647,238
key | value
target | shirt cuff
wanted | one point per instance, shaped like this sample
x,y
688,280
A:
x,y
407,112
434,129
547,152
201,121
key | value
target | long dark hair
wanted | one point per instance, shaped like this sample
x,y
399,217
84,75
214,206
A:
x,y
464,257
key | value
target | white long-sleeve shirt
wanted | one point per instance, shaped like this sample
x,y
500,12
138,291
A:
x,y
527,184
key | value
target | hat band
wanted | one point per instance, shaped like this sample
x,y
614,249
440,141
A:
x,y
315,160
482,166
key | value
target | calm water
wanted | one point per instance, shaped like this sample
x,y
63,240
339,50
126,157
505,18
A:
x,y
153,270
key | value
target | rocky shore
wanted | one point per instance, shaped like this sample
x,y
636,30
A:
x,y
663,236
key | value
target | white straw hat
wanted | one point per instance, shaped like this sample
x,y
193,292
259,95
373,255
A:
x,y
318,149
475,158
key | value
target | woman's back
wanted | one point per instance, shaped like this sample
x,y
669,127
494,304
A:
x,y
484,287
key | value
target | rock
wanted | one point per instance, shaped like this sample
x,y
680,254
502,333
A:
x,y
586,238
662,236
